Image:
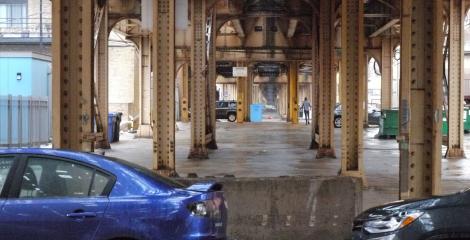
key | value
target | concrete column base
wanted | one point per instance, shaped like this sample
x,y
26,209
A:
x,y
198,153
212,145
455,153
326,153
313,144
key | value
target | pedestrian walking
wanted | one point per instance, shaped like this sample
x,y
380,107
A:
x,y
306,106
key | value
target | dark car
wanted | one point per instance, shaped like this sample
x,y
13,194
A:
x,y
443,218
373,116
226,110
54,194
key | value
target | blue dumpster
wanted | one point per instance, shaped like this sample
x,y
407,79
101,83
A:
x,y
111,125
256,112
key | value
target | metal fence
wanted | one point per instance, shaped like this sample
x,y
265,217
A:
x,y
24,121
25,29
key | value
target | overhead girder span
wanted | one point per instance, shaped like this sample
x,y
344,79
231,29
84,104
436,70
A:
x,y
420,114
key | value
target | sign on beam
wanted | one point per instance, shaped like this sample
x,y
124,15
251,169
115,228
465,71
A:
x,y
240,71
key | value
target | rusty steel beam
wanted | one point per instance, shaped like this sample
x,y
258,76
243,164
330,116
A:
x,y
386,74
327,80
456,70
352,77
249,92
185,95
101,71
212,88
366,91
163,108
198,80
145,75
241,98
72,78
293,96
421,102
315,83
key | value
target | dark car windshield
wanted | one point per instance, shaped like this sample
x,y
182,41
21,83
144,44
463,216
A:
x,y
149,173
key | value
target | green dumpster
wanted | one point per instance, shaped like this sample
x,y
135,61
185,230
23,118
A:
x,y
466,120
388,126
445,125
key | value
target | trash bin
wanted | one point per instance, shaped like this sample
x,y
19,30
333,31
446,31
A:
x,y
388,126
256,112
117,127
114,120
111,126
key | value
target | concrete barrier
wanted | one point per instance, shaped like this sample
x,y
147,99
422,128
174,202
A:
x,y
290,207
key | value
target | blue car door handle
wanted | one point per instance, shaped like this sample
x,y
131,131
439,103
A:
x,y
81,215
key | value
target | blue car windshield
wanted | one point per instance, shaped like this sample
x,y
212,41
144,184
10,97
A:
x,y
149,173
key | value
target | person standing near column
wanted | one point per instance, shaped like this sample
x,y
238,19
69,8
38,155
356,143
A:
x,y
306,106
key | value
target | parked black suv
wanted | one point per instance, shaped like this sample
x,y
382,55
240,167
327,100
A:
x,y
226,110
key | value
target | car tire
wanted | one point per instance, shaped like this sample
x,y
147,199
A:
x,y
232,117
337,122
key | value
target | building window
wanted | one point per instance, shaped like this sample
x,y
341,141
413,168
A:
x,y
13,15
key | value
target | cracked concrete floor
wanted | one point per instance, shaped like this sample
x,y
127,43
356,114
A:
x,y
274,149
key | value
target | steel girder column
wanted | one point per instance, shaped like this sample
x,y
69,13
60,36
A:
x,y
198,80
212,81
366,91
421,98
163,108
327,81
249,92
145,76
386,73
72,78
315,82
101,68
293,96
241,98
456,126
185,97
352,77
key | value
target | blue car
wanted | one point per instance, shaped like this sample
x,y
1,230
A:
x,y
57,194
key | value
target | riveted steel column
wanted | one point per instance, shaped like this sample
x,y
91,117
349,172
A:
x,y
185,97
366,92
315,82
421,98
102,74
163,111
72,78
327,81
212,144
456,35
145,62
352,77
386,73
241,98
249,92
198,80
293,96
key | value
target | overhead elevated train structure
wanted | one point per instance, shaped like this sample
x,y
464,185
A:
x,y
286,43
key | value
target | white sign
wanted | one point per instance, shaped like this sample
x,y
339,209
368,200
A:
x,y
240,71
